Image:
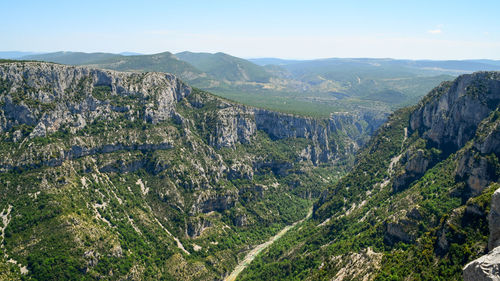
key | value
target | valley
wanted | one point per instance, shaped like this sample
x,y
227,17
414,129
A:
x,y
250,140
137,175
310,87
259,248
186,188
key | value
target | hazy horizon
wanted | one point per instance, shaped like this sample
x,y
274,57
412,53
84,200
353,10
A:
x,y
279,29
129,53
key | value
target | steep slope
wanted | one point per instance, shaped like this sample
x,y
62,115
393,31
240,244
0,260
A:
x,y
162,62
415,205
225,67
115,175
311,88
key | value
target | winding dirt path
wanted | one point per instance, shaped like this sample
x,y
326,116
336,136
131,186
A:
x,y
259,248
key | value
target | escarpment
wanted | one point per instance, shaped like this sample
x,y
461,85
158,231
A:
x,y
447,119
420,197
147,177
47,98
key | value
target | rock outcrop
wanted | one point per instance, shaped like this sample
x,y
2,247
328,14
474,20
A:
x,y
487,267
478,166
56,95
447,119
238,124
450,114
494,221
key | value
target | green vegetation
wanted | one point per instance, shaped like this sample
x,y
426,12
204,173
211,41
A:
x,y
428,231
83,216
311,88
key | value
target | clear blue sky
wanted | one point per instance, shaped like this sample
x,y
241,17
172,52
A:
x,y
439,29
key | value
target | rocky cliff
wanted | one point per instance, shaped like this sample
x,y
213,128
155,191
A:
x,y
51,97
420,198
447,119
487,267
147,178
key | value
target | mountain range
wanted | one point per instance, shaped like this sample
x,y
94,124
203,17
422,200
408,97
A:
x,y
134,174
309,87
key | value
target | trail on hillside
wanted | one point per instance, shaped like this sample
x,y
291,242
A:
x,y
259,248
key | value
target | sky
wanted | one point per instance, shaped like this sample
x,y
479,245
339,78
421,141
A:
x,y
439,29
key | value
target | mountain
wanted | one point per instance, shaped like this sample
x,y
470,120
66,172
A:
x,y
417,204
225,67
162,62
311,88
398,65
72,58
128,175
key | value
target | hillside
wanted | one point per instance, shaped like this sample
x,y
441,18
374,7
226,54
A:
x,y
138,176
225,67
417,202
310,88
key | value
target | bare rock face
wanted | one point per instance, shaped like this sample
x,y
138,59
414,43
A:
x,y
451,118
72,99
395,232
485,268
447,119
416,165
238,124
494,221
478,167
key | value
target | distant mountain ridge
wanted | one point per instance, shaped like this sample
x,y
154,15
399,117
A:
x,y
310,87
225,67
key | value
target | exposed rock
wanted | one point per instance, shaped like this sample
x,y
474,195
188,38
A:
x,y
209,201
474,169
395,232
75,85
196,226
449,116
238,124
240,171
447,119
494,221
417,163
485,268
478,166
357,266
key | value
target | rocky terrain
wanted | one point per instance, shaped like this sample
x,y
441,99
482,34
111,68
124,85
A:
x,y
116,175
138,176
416,204
487,267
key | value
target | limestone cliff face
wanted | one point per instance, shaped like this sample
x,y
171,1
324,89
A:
x,y
487,267
478,167
447,119
494,221
238,124
55,96
64,97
